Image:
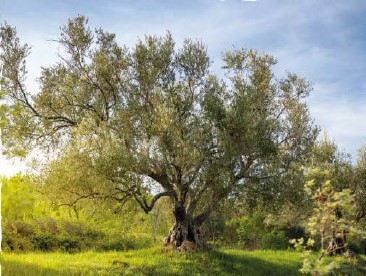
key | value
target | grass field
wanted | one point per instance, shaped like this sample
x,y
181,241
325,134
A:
x,y
155,262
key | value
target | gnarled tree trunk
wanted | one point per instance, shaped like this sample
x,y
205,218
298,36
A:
x,y
185,234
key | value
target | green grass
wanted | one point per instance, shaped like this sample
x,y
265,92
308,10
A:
x,y
155,262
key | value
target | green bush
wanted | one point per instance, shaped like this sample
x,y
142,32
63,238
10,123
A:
x,y
72,228
363,246
230,234
46,224
16,243
23,228
275,240
294,232
44,242
357,245
214,227
17,236
69,244
251,230
28,226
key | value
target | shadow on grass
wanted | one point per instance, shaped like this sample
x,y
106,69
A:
x,y
231,264
220,263
248,265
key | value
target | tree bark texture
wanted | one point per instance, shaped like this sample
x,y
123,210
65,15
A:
x,y
185,235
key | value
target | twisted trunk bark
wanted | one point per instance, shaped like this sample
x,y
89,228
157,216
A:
x,y
185,234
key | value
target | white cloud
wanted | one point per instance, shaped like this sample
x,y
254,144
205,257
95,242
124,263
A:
x,y
341,117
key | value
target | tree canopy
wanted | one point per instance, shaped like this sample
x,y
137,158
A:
x,y
154,118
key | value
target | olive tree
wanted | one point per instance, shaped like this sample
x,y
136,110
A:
x,y
154,118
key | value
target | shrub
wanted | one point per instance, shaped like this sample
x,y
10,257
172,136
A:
x,y
72,228
47,225
16,236
230,234
23,228
275,240
214,227
294,232
357,244
16,243
69,244
44,242
251,230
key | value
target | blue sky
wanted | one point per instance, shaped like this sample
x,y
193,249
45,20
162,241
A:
x,y
322,40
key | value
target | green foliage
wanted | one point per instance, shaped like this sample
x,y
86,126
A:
x,y
251,230
122,122
358,186
331,218
275,240
327,157
333,210
315,265
295,232
31,223
69,244
319,266
44,242
214,228
14,242
254,232
357,244
17,197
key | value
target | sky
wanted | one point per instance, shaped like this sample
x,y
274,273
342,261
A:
x,y
321,40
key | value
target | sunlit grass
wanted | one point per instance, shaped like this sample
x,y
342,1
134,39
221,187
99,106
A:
x,y
155,262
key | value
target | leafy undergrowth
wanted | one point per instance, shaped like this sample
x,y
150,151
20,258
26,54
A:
x,y
155,262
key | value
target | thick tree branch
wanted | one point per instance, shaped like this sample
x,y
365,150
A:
x,y
161,178
148,207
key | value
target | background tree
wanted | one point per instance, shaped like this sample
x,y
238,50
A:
x,y
331,222
326,156
154,118
21,202
359,184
